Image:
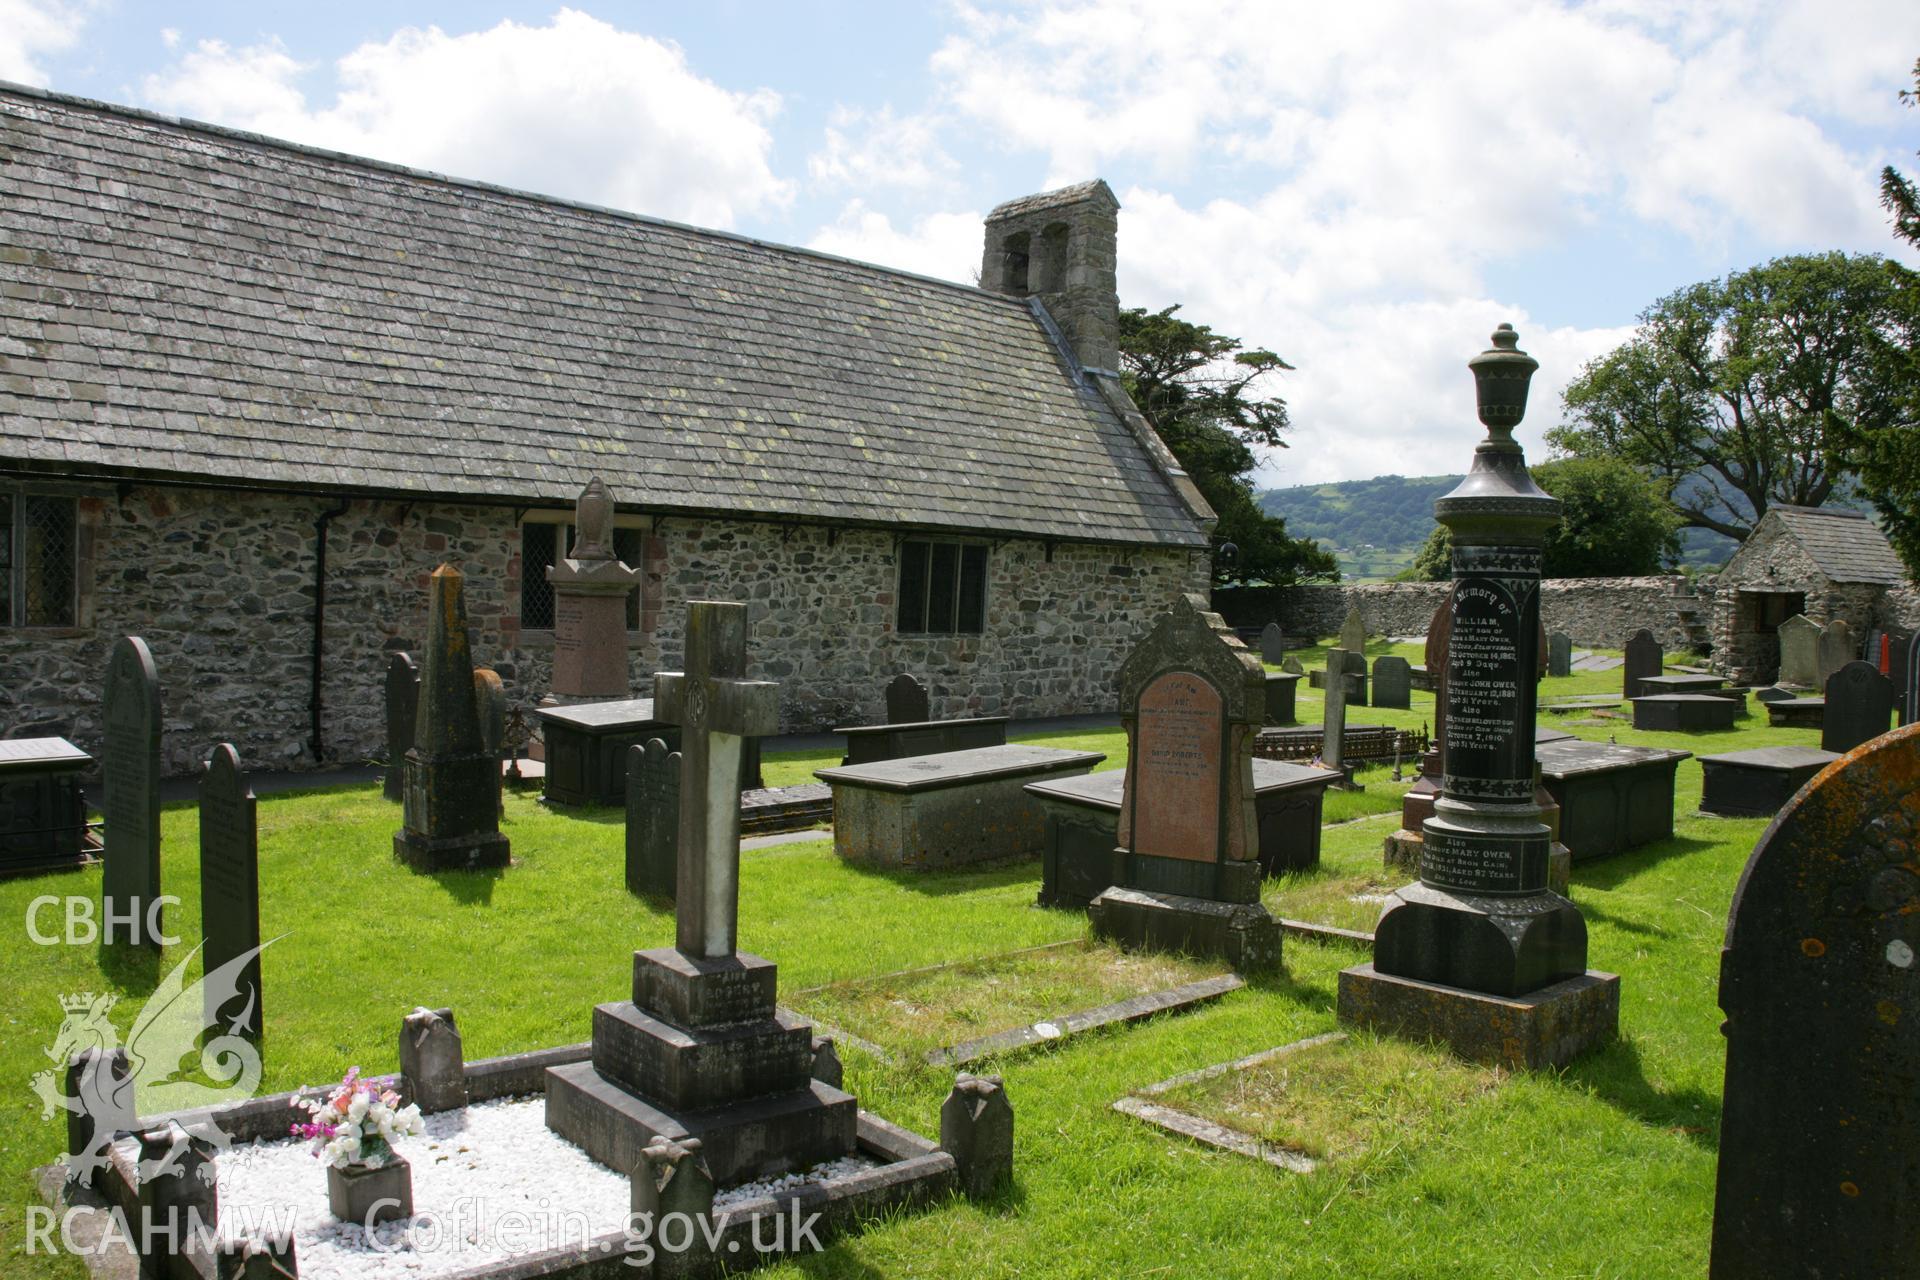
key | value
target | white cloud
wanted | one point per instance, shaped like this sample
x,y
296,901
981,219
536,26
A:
x,y
867,149
31,29
943,245
575,108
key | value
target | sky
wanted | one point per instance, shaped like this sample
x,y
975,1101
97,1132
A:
x,y
1366,189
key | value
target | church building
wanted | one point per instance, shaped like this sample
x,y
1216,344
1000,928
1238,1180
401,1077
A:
x,y
251,393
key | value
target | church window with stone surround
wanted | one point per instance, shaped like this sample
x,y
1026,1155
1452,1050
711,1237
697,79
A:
x,y
39,561
943,588
540,543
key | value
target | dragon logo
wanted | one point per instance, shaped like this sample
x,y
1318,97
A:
x,y
170,1028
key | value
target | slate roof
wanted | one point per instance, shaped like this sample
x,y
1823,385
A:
x,y
189,301
1844,545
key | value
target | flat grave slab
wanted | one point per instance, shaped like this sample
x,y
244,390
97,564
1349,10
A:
x,y
586,749
1282,691
1758,783
1083,817
1683,712
949,809
1797,713
1566,706
1685,683
1612,797
869,744
43,813
1597,662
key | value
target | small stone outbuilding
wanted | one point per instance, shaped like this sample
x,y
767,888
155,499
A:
x,y
1823,562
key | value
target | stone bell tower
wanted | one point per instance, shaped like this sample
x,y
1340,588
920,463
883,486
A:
x,y
1060,247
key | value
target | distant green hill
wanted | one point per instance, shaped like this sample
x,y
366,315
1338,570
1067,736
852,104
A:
x,y
1373,527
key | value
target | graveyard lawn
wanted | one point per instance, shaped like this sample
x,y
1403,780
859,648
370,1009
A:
x,y
1605,1169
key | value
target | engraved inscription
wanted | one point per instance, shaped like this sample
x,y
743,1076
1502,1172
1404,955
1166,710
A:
x,y
1177,773
1480,863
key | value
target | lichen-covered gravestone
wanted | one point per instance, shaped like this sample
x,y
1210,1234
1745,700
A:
x,y
1353,634
907,701
1820,982
1859,705
403,707
1333,713
230,893
1799,651
130,882
1644,658
1559,654
1835,650
1392,682
653,818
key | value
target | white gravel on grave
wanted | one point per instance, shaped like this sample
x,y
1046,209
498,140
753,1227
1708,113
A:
x,y
490,1183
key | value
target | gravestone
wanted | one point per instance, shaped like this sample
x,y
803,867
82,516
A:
x,y
130,880
403,707
1353,634
702,1051
653,818
1392,682
1291,665
1333,713
1836,649
590,590
1877,653
1859,705
908,701
452,806
1820,983
1559,654
1644,657
1480,953
1273,644
1187,862
230,893
491,693
1910,701
1402,848
1799,652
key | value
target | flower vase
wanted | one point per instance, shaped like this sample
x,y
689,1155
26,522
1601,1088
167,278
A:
x,y
369,1194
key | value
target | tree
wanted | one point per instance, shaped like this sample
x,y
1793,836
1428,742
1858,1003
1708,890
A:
x,y
1897,193
1614,522
1753,389
1888,456
1206,397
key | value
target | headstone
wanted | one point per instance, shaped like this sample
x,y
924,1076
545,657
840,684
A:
x,y
403,708
1187,863
230,894
1836,649
1820,983
653,819
433,1061
491,693
590,590
908,701
1910,711
1392,682
1481,926
1353,634
1645,658
1333,713
452,808
976,1129
1799,651
1291,665
1439,637
130,880
1273,644
1559,654
1859,706
1877,653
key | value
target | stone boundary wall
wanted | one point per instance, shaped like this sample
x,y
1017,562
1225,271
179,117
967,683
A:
x,y
1900,609
220,584
1602,612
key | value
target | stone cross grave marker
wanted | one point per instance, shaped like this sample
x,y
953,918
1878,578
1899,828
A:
x,y
1392,682
1353,634
130,881
1799,651
1333,712
230,893
1820,981
1836,649
403,708
1559,654
717,708
1273,644
653,818
907,701
1645,658
1859,704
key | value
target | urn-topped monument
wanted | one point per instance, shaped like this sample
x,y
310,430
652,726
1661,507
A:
x,y
1479,952
590,590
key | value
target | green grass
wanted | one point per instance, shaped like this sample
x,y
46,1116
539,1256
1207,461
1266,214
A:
x,y
1604,1169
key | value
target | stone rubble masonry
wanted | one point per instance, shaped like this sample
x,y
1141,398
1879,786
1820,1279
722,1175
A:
x,y
220,584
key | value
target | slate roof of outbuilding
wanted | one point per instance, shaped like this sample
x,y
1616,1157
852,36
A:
x,y
188,301
1844,545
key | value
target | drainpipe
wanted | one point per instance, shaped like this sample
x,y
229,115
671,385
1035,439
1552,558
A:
x,y
320,526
